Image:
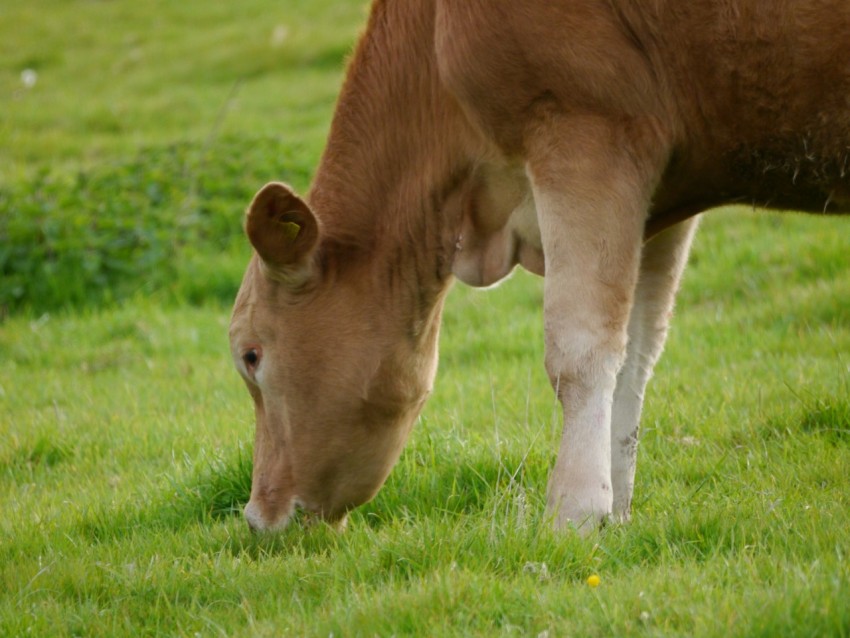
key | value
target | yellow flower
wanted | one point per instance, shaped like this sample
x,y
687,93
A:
x,y
593,581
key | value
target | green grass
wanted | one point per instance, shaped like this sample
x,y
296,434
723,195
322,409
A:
x,y
117,76
125,436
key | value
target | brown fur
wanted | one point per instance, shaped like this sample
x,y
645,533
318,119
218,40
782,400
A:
x,y
473,135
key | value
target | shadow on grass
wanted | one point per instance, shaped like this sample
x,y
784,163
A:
x,y
827,418
44,452
219,487
696,535
830,419
216,488
482,512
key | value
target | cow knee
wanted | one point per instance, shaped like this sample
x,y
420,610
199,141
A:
x,y
578,360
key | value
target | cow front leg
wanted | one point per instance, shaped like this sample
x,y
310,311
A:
x,y
591,190
662,262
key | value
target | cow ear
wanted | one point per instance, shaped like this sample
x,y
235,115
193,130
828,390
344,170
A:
x,y
282,229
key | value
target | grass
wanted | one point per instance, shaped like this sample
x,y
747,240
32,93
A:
x,y
115,77
126,436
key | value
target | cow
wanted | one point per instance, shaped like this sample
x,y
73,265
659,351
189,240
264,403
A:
x,y
578,139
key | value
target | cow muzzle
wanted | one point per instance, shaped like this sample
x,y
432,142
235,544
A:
x,y
261,524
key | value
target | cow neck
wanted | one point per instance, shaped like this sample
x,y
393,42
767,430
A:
x,y
397,145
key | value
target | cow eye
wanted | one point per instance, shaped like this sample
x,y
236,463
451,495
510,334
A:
x,y
251,359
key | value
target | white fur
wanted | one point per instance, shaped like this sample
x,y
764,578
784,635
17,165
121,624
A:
x,y
662,263
591,208
258,523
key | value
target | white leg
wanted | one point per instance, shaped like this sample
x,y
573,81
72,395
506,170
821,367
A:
x,y
662,263
591,195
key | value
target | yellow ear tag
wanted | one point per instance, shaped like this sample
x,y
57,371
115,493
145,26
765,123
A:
x,y
290,230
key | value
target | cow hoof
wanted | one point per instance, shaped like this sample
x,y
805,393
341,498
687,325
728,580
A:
x,y
621,515
583,514
583,525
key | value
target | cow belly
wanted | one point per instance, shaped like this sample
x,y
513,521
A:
x,y
798,173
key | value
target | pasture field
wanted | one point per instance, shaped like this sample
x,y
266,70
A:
x,y
125,435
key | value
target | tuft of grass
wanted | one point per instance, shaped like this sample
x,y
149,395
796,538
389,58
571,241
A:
x,y
218,486
828,418
43,452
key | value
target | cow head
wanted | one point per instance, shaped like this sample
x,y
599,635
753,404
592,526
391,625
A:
x,y
337,368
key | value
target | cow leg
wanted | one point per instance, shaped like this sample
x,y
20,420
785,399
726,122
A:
x,y
592,184
662,263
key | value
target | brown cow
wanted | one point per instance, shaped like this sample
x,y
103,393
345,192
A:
x,y
574,137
